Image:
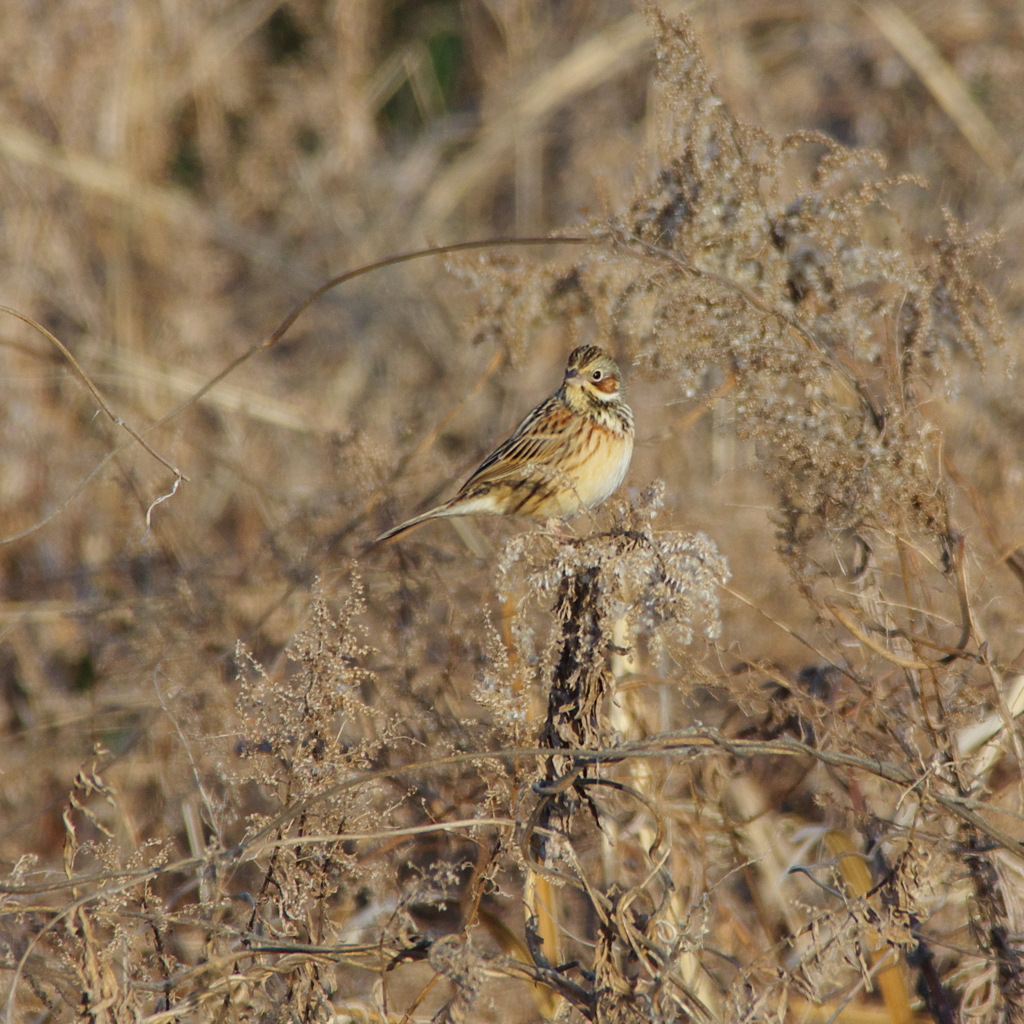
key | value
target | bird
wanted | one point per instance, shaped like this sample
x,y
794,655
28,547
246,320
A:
x,y
566,457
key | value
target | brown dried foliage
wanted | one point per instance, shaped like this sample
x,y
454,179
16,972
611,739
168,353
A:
x,y
745,748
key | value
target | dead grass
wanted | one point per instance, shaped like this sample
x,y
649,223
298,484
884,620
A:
x,y
747,748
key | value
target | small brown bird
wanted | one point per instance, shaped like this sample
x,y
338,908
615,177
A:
x,y
567,456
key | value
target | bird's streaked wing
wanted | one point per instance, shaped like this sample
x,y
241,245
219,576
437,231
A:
x,y
539,439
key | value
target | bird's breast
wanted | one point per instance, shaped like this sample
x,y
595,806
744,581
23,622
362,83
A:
x,y
595,469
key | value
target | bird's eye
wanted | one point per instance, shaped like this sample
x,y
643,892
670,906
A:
x,y
596,375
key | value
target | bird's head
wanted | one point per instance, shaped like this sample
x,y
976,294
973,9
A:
x,y
594,372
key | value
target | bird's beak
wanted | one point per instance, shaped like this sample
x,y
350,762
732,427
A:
x,y
572,374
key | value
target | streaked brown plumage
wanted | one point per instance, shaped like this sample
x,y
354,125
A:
x,y
567,456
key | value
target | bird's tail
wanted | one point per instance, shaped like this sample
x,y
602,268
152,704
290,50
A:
x,y
410,524
480,501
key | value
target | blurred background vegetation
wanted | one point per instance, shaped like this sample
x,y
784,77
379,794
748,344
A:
x,y
175,178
